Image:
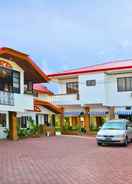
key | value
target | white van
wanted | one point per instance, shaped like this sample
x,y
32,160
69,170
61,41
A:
x,y
115,132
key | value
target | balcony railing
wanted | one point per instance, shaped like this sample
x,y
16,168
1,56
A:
x,y
6,98
62,99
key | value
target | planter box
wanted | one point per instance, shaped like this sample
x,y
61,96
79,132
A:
x,y
57,133
68,132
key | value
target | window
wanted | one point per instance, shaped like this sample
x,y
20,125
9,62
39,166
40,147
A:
x,y
46,119
28,87
2,120
16,82
91,83
124,84
71,87
24,122
5,79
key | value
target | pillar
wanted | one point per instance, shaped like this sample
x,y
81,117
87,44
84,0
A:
x,y
87,118
13,126
112,113
62,118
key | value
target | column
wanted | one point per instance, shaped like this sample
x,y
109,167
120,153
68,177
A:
x,y
87,118
13,126
112,113
62,119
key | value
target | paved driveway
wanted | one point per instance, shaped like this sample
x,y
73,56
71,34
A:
x,y
64,160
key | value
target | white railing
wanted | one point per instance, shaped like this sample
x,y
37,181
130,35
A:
x,y
64,99
6,98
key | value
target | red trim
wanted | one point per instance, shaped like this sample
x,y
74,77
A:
x,y
42,89
89,71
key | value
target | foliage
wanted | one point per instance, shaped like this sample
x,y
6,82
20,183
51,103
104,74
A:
x,y
83,130
57,129
32,130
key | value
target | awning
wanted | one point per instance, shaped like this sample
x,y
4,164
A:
x,y
71,113
76,113
123,112
97,113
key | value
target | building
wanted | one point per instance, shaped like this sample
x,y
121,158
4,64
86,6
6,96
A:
x,y
18,74
44,112
93,94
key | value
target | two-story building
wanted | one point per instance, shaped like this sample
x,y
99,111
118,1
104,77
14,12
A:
x,y
92,94
18,73
44,112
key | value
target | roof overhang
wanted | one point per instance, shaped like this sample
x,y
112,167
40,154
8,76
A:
x,y
75,73
31,70
54,108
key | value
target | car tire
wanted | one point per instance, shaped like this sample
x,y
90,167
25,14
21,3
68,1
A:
x,y
125,142
99,144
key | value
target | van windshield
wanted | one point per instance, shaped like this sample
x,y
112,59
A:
x,y
114,126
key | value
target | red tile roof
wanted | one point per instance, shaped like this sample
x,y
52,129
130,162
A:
x,y
113,65
42,89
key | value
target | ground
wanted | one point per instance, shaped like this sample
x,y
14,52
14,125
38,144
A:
x,y
64,160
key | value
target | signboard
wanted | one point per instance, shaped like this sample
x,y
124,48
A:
x,y
5,64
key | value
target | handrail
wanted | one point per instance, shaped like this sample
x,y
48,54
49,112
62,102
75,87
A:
x,y
6,98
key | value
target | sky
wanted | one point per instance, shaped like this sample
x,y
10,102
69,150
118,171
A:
x,y
67,34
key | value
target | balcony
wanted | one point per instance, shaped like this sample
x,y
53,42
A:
x,y
65,99
6,98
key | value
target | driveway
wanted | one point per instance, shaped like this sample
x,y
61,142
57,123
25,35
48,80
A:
x,y
64,160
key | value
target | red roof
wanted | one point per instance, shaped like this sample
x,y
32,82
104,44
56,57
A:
x,y
113,65
42,89
32,71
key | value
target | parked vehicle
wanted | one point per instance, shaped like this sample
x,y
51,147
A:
x,y
115,132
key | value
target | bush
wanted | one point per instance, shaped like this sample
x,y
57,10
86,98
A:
x,y
32,130
83,130
58,129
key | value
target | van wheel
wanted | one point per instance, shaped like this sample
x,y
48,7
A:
x,y
125,142
99,144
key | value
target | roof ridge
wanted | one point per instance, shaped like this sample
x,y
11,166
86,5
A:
x,y
90,66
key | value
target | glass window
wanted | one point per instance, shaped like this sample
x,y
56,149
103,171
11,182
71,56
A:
x,y
2,120
91,83
124,84
16,82
46,119
71,87
24,122
114,126
28,87
5,80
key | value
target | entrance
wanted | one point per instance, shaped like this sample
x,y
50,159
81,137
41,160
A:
x,y
3,125
3,122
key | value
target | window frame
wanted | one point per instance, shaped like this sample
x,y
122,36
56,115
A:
x,y
72,87
125,83
90,83
14,89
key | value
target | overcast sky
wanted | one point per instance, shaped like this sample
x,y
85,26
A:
x,y
66,34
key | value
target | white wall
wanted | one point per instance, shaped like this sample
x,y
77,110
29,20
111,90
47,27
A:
x,y
21,101
113,97
92,94
105,91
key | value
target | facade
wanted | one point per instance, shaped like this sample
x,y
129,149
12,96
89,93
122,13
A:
x,y
18,73
93,94
44,112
